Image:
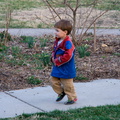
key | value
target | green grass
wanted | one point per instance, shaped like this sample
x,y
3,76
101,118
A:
x,y
14,5
43,25
117,54
102,5
108,112
19,24
21,4
81,77
82,51
43,42
109,4
34,80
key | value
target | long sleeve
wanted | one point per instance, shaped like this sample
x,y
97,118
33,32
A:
x,y
68,53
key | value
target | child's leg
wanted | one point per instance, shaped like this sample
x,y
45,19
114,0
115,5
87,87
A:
x,y
69,88
56,85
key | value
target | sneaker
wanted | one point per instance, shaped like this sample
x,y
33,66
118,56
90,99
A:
x,y
69,102
75,99
60,97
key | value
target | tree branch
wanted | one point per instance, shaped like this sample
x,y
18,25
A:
x,y
93,22
52,8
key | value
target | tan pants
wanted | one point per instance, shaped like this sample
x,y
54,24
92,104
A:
x,y
59,85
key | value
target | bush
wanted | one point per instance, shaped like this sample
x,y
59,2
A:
x,y
33,80
45,58
29,40
4,38
81,77
16,50
82,50
43,42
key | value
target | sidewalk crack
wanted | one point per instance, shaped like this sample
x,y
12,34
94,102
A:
x,y
24,102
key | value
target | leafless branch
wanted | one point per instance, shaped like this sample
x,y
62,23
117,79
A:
x,y
50,6
86,20
8,20
94,36
41,19
93,23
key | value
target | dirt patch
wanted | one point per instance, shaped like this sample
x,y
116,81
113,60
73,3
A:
x,y
104,63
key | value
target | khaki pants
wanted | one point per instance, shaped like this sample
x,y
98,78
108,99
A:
x,y
59,85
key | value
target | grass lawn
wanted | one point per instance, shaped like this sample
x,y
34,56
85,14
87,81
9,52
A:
x,y
22,5
108,112
27,4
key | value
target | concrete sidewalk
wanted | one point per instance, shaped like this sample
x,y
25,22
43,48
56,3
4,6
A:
x,y
42,99
42,32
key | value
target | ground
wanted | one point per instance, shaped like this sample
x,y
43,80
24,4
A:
x,y
103,63
36,17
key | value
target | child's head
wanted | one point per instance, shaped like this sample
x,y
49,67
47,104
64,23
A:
x,y
63,27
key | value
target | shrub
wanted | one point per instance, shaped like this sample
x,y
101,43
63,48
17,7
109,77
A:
x,y
4,49
16,50
43,42
29,40
117,54
4,38
45,58
81,77
34,80
82,50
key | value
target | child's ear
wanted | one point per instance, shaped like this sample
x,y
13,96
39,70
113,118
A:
x,y
66,32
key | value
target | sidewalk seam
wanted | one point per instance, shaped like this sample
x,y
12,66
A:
x,y
24,102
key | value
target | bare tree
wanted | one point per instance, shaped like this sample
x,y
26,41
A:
x,y
73,10
7,12
8,20
94,37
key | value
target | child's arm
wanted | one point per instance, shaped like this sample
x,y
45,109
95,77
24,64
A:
x,y
52,55
66,56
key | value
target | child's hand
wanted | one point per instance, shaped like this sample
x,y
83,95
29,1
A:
x,y
53,61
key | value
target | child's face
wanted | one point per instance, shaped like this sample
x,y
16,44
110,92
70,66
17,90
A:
x,y
60,33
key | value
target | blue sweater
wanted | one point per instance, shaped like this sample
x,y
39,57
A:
x,y
63,55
